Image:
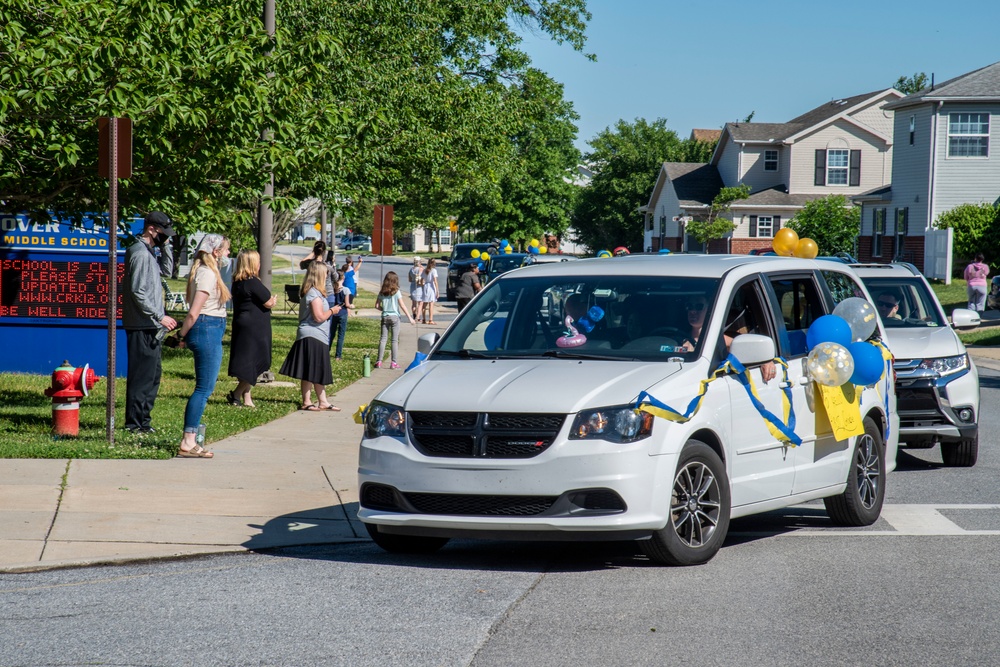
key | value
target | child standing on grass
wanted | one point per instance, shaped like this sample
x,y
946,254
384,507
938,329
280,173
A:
x,y
390,303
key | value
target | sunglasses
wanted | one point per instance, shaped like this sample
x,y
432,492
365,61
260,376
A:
x,y
886,304
694,306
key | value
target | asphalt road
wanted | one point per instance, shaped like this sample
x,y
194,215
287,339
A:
x,y
920,587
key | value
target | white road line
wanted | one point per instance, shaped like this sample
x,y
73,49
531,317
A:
x,y
906,520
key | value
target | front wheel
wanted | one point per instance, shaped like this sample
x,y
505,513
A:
x,y
405,544
699,510
861,502
961,454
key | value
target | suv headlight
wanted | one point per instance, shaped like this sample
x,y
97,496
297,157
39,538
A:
x,y
946,365
385,419
616,424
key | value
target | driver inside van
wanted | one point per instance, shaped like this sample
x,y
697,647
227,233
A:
x,y
696,308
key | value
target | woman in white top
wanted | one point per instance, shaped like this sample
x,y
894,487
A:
x,y
202,332
429,292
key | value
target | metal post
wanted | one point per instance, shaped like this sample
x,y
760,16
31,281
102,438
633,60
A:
x,y
265,216
112,278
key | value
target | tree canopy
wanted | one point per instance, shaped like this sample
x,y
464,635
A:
x,y
626,162
832,222
974,230
910,85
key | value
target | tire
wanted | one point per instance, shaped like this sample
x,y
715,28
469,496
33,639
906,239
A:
x,y
699,510
961,454
861,502
405,544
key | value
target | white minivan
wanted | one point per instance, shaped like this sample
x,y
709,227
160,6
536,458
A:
x,y
644,397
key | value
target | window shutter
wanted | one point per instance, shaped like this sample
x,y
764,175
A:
x,y
855,168
753,226
777,224
820,168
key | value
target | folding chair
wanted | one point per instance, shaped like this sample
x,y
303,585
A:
x,y
173,300
292,298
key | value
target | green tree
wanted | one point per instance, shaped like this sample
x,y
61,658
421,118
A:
x,y
832,222
974,229
626,163
910,85
714,226
535,194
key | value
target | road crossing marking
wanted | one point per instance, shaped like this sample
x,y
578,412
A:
x,y
904,519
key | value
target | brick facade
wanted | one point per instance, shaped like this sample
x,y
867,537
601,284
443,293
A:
x,y
743,246
913,251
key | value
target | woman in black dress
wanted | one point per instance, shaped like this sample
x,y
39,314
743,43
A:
x,y
250,350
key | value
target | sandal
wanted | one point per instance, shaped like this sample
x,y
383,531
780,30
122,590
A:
x,y
311,407
431,322
196,452
331,408
231,398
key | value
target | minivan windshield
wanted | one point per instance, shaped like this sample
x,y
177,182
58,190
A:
x,y
653,318
904,303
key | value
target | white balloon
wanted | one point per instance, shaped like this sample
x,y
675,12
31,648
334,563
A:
x,y
830,364
860,315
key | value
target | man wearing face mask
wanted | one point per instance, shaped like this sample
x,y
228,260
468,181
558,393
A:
x,y
144,318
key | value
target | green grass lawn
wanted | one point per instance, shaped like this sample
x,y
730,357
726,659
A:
x,y
26,413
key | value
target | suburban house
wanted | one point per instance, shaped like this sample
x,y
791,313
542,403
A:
x,y
941,159
842,147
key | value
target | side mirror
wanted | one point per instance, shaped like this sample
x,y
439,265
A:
x,y
750,349
426,342
963,318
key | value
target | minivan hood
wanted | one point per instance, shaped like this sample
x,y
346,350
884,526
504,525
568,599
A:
x,y
924,342
523,385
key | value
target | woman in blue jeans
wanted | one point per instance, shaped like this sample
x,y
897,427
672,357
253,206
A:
x,y
201,332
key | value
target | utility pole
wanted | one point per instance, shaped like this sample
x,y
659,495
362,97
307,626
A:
x,y
265,216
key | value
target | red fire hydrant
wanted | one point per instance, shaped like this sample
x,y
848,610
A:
x,y
69,385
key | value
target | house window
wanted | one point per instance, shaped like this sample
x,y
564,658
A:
x,y
878,231
770,160
968,135
902,222
837,163
765,227
913,128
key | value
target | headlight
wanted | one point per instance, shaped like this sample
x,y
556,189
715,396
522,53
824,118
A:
x,y
946,365
618,424
384,419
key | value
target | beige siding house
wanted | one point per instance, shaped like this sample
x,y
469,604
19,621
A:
x,y
841,147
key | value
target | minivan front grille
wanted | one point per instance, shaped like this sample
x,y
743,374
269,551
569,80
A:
x,y
499,435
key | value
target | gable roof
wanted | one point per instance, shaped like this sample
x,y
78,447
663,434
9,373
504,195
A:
x,y
696,183
980,85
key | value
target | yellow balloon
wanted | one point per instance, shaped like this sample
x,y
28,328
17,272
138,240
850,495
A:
x,y
806,249
785,242
475,254
508,250
542,250
534,243
318,227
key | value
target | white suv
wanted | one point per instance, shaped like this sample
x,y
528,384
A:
x,y
523,423
937,384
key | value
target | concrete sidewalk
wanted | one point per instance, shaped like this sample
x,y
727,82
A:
x,y
290,482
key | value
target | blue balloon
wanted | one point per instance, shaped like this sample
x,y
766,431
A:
x,y
504,243
482,267
829,329
868,363
587,323
533,249
493,336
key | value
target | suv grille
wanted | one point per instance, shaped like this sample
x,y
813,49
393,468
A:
x,y
491,435
439,503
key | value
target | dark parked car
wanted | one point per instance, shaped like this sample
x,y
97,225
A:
x,y
461,260
502,263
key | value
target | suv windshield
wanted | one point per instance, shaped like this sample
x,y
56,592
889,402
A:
x,y
904,302
464,250
597,317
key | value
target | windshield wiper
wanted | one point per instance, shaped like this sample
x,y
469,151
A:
x,y
564,354
464,353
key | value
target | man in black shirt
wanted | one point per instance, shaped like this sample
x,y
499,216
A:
x,y
467,287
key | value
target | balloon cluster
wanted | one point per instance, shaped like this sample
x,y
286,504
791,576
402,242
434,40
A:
x,y
505,247
838,347
787,242
535,248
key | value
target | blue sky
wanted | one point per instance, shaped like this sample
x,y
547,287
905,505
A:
x,y
703,64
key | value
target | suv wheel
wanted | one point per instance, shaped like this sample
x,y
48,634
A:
x,y
699,510
405,544
961,454
861,502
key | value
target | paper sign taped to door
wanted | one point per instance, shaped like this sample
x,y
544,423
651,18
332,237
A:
x,y
840,407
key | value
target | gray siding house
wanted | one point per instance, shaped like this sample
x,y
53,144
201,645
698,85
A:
x,y
946,153
841,147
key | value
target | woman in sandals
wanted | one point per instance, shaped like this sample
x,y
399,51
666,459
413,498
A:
x,y
309,358
201,332
429,292
390,302
250,347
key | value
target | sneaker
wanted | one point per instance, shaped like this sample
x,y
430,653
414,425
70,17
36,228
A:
x,y
147,430
394,365
378,364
